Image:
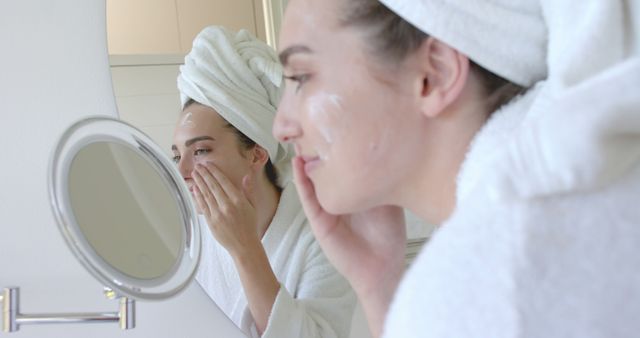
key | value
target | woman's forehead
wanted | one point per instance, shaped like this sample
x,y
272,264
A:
x,y
200,120
309,21
200,115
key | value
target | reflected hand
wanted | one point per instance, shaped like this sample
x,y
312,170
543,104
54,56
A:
x,y
368,248
229,212
232,219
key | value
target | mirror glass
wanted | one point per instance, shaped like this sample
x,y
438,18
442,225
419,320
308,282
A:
x,y
123,209
148,40
147,47
125,202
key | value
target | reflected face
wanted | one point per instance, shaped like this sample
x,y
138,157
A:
x,y
348,115
200,136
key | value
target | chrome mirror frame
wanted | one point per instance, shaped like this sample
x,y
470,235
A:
x,y
106,129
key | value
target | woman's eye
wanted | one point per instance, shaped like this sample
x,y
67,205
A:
x,y
300,79
175,158
199,152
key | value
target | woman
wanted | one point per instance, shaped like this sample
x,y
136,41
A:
x,y
260,262
516,132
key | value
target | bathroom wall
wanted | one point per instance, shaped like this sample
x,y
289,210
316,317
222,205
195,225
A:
x,y
147,95
169,26
54,70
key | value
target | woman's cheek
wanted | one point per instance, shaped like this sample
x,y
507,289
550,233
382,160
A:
x,y
326,114
204,159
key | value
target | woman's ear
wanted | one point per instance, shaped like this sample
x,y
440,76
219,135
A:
x,y
444,75
258,157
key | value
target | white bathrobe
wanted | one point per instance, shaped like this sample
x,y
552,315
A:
x,y
545,238
314,300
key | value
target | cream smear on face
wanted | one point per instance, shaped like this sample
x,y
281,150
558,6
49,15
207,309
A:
x,y
324,110
187,120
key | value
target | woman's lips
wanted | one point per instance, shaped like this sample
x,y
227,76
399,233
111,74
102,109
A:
x,y
311,163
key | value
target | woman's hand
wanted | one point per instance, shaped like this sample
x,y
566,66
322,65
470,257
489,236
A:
x,y
232,219
368,248
229,212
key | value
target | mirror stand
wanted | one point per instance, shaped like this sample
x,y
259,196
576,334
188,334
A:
x,y
13,319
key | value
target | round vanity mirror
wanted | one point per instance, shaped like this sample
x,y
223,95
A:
x,y
123,209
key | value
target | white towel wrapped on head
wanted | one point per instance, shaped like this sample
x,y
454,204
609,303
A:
x,y
507,37
241,78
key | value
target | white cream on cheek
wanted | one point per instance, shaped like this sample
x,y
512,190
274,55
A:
x,y
325,112
329,117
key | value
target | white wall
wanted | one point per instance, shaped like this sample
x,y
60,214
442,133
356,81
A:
x,y
53,71
147,97
169,26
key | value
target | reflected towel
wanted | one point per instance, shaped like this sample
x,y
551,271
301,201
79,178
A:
x,y
241,78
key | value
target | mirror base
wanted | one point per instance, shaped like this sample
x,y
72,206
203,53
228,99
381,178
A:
x,y
12,319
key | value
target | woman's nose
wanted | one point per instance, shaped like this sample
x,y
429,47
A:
x,y
185,167
285,127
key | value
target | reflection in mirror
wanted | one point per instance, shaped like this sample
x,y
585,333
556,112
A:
x,y
147,47
127,203
144,79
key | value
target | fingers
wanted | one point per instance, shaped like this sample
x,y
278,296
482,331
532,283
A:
x,y
207,190
226,186
306,190
211,178
219,192
202,204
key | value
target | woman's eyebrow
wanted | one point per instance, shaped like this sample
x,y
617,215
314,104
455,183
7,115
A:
x,y
189,142
286,54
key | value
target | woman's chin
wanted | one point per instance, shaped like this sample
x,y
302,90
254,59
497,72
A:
x,y
338,203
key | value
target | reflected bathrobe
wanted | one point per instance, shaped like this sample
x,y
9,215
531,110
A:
x,y
545,238
314,300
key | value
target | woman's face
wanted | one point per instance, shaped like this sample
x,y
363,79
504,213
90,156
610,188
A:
x,y
351,118
200,136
